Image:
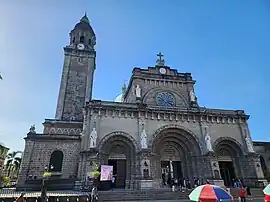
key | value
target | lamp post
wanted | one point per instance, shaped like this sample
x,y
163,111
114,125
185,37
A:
x,y
43,187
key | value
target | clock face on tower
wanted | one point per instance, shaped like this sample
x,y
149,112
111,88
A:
x,y
162,70
80,46
165,99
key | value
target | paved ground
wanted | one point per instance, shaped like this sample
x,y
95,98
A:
x,y
254,200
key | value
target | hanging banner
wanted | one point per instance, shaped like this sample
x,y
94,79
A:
x,y
106,173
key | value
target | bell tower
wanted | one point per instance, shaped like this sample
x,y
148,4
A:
x,y
78,72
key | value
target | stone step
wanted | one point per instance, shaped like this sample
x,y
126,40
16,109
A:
x,y
255,192
141,195
161,194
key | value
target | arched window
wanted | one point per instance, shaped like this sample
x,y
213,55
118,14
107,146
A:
x,y
73,40
81,39
56,161
89,42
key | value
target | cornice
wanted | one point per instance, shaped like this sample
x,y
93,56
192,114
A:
x,y
51,137
69,50
131,110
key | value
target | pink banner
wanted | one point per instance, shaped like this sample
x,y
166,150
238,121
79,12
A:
x,y
106,173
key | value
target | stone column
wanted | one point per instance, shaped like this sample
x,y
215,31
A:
x,y
171,168
80,167
189,167
216,176
211,168
253,168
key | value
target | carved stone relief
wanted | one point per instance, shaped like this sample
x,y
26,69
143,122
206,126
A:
x,y
64,131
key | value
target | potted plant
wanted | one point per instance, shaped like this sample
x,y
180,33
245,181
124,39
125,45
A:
x,y
95,175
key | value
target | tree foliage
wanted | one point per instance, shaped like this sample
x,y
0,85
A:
x,y
4,181
13,163
47,174
95,172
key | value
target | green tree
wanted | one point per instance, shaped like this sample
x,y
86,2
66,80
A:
x,y
13,162
4,181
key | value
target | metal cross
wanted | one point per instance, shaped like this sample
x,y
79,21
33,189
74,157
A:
x,y
160,55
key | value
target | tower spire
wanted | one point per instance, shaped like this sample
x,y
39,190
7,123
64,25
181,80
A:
x,y
85,19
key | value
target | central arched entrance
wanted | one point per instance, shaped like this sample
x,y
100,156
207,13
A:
x,y
228,153
175,150
118,150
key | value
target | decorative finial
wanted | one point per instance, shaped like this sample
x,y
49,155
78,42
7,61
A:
x,y
124,87
160,61
85,19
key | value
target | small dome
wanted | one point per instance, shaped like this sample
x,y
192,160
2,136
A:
x,y
119,98
84,25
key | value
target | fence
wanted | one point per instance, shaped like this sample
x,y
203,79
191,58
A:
x,y
9,195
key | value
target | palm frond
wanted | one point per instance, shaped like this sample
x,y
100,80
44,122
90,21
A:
x,y
18,159
9,162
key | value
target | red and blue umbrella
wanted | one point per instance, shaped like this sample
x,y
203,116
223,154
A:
x,y
266,191
210,193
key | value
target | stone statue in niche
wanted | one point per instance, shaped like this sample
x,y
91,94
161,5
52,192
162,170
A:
x,y
145,173
93,138
143,138
216,174
192,96
207,139
249,143
138,91
145,169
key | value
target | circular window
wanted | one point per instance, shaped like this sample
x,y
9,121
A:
x,y
165,99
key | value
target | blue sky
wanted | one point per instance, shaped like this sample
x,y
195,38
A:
x,y
224,44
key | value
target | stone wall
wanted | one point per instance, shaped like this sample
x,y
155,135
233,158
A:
x,y
37,153
129,121
151,82
263,149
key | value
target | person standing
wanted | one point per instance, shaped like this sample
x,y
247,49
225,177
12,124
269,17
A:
x,y
249,196
113,182
242,194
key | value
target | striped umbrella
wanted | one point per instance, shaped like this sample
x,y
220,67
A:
x,y
210,193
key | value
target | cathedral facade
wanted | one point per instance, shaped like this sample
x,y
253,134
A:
x,y
154,128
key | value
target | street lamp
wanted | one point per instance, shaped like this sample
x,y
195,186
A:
x,y
45,176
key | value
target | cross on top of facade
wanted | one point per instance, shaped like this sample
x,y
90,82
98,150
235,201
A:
x,y
160,61
160,55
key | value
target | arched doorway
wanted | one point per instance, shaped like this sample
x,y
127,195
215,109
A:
x,y
118,150
228,153
175,151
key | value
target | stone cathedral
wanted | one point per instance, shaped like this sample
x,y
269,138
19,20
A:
x,y
154,127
